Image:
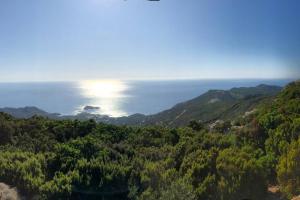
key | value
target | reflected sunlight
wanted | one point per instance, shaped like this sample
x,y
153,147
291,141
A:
x,y
106,94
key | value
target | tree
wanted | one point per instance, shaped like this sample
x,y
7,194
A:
x,y
196,125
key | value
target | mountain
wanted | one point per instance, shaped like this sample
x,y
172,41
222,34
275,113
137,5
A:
x,y
208,107
27,112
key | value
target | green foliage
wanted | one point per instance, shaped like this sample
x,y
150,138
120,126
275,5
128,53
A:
x,y
60,187
24,170
178,190
241,175
196,126
115,162
199,168
288,170
7,129
280,119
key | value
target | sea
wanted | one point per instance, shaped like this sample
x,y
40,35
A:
x,y
114,97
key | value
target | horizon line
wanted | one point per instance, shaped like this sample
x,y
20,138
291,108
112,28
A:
x,y
145,79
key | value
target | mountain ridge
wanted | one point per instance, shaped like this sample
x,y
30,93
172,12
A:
x,y
210,106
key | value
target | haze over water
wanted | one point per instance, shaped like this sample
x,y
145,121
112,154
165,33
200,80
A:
x,y
114,97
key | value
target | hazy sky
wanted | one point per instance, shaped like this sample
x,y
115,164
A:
x,y
137,39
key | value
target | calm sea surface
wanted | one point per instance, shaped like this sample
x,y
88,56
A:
x,y
114,97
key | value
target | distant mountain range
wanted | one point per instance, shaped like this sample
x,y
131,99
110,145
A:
x,y
27,112
208,107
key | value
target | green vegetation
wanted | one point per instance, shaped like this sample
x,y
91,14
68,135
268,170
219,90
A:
x,y
289,169
212,105
70,159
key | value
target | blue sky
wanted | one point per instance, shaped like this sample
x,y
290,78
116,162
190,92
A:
x,y
55,40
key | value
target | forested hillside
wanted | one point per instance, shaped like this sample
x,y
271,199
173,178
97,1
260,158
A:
x,y
214,105
71,159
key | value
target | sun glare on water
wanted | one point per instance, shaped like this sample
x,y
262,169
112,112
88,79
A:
x,y
106,94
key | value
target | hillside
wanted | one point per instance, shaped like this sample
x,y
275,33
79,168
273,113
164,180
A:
x,y
210,106
72,159
27,112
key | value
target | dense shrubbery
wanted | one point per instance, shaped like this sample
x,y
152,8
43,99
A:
x,y
52,159
289,169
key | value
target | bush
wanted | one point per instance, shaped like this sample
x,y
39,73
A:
x,y
288,170
241,176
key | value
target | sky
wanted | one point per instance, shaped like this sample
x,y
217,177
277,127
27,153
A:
x,y
68,40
